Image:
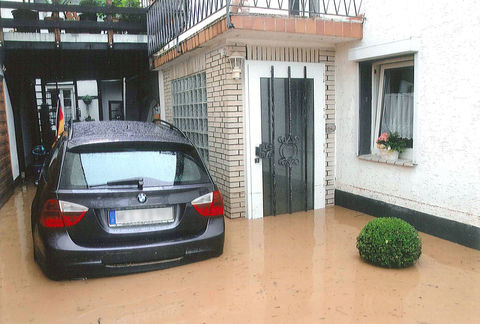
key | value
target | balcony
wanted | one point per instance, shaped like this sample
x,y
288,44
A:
x,y
186,24
53,26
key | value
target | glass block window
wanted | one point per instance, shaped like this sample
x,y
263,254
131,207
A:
x,y
190,110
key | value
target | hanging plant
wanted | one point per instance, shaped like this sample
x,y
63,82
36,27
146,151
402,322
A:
x,y
87,99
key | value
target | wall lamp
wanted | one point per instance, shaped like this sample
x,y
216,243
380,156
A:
x,y
236,62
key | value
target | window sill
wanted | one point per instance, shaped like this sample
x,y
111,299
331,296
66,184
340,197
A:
x,y
376,158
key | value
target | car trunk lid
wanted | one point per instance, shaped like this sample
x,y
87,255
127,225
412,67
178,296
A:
x,y
116,218
135,192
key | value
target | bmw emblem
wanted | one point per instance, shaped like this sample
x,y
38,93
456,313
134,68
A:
x,y
142,197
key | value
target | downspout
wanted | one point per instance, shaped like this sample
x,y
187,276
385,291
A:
x,y
229,22
124,99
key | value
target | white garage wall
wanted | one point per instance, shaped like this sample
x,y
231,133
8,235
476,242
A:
x,y
446,181
110,90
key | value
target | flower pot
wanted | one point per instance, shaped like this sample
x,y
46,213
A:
x,y
115,20
25,14
89,17
71,15
389,155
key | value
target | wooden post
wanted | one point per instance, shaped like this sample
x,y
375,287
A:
x,y
55,16
110,31
77,107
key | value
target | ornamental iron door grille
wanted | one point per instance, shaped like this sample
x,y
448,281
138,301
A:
x,y
287,143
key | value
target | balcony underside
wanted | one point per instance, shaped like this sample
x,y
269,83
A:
x,y
267,30
76,64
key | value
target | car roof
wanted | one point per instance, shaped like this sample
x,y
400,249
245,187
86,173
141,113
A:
x,y
98,132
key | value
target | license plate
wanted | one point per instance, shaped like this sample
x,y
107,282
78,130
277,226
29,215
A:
x,y
133,217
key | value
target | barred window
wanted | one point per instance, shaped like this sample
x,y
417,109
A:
x,y
190,110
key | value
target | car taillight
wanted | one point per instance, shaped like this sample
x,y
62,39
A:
x,y
58,213
210,204
50,216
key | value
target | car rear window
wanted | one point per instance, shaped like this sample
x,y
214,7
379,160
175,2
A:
x,y
156,168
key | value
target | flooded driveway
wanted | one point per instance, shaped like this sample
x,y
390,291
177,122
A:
x,y
300,268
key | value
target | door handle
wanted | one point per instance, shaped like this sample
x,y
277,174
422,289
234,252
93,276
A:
x,y
263,151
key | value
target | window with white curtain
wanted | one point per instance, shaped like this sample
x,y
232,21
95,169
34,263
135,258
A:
x,y
386,102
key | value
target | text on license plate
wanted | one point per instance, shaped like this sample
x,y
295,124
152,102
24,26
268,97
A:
x,y
147,216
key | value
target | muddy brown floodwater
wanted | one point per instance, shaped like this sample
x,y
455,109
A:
x,y
299,268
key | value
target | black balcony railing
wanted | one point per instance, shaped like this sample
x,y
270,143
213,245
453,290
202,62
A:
x,y
68,18
168,19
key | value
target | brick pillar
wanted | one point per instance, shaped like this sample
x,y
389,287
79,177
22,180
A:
x,y
6,181
225,129
328,58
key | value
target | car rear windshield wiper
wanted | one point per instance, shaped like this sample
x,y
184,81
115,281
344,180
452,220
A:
x,y
122,182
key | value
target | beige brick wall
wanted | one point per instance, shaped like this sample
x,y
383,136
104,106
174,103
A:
x,y
167,84
6,181
225,129
225,112
329,119
225,121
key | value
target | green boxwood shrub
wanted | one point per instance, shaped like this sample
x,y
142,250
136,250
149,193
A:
x,y
390,243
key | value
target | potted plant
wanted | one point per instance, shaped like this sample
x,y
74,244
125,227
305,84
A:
x,y
390,145
26,14
115,17
130,17
52,18
87,100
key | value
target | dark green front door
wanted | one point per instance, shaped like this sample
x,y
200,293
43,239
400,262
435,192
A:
x,y
287,143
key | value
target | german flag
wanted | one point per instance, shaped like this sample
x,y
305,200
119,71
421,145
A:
x,y
60,119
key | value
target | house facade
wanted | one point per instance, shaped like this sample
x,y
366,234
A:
x,y
288,105
266,113
285,102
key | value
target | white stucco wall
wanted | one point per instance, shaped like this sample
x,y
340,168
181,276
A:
x,y
446,180
12,139
88,87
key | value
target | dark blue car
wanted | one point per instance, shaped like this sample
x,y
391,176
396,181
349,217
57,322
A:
x,y
118,197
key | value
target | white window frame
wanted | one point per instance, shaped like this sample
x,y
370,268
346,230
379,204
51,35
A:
x,y
377,99
60,88
72,106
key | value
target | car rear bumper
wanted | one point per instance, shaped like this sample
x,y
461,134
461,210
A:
x,y
60,258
